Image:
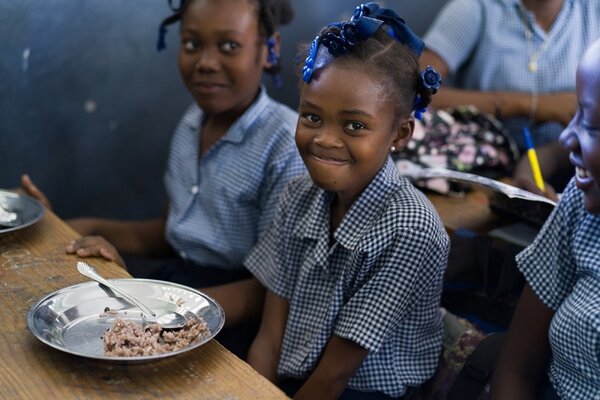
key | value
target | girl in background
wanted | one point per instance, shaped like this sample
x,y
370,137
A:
x,y
231,155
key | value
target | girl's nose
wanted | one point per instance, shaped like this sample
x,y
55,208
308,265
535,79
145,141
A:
x,y
328,137
568,138
207,61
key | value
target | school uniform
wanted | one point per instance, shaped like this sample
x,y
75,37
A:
x,y
219,204
484,44
562,266
377,282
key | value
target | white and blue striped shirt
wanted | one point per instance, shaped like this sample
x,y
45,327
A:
x,y
562,266
220,204
378,284
483,43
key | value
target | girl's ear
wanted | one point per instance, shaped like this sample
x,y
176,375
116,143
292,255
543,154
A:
x,y
273,50
403,134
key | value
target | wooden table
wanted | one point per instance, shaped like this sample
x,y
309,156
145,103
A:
x,y
33,263
471,211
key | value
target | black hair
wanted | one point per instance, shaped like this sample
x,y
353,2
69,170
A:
x,y
394,64
271,15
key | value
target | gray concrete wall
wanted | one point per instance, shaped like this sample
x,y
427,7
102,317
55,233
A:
x,y
87,105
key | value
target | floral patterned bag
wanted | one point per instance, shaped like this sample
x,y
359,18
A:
x,y
462,139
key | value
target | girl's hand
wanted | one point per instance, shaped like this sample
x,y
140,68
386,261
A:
x,y
29,188
527,183
95,246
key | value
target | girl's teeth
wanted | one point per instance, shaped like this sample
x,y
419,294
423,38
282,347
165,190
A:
x,y
582,173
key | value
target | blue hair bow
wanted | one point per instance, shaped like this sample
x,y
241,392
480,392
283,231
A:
x,y
365,21
397,27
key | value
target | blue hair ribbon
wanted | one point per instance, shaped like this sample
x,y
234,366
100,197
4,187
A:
x,y
365,21
162,29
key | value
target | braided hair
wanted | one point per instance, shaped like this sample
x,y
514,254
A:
x,y
271,15
381,41
394,63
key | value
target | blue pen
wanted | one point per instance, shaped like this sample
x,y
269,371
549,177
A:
x,y
533,160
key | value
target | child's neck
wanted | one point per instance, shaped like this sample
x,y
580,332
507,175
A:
x,y
338,210
215,126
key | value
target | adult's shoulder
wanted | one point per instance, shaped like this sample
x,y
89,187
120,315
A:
x,y
464,9
456,31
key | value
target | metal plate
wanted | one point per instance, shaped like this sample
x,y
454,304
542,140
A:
x,y
28,210
73,319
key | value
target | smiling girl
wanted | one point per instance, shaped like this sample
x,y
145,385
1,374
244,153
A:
x,y
353,262
555,332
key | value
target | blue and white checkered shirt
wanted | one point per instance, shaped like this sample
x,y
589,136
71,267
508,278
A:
x,y
484,45
378,284
562,266
219,204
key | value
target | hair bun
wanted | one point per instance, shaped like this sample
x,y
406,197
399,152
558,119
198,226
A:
x,y
285,12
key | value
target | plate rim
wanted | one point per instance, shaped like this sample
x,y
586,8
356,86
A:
x,y
39,214
132,359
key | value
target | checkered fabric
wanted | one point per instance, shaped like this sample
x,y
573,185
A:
x,y
563,268
483,43
222,202
378,283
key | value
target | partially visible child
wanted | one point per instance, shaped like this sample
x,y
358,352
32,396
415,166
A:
x,y
354,259
555,331
232,153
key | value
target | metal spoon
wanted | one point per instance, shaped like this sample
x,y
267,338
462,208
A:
x,y
171,320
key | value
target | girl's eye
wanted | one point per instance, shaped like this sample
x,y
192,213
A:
x,y
229,46
355,126
190,44
312,118
592,130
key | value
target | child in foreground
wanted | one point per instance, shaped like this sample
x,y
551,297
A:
x,y
555,332
354,258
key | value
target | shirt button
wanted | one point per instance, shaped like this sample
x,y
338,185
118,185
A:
x,y
194,189
307,337
182,254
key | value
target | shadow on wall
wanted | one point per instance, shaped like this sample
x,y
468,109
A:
x,y
88,105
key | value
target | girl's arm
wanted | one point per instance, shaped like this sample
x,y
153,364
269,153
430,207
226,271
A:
x,y
143,238
341,359
263,355
241,300
526,351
